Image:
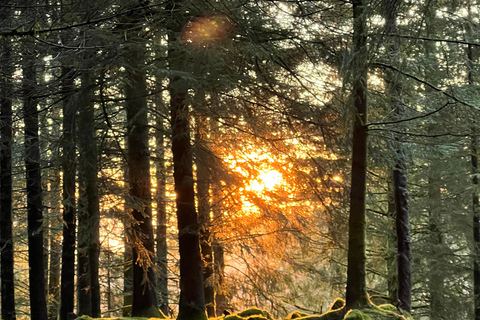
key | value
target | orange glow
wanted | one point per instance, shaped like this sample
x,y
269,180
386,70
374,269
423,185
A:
x,y
201,32
268,180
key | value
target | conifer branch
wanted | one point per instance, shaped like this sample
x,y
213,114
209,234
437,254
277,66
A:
x,y
436,39
426,83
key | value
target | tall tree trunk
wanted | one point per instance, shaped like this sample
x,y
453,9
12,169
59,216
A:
x,y
436,278
203,186
67,285
38,303
356,294
161,232
192,297
6,140
395,92
88,214
475,172
145,302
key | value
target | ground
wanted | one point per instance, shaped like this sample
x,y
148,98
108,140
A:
x,y
335,312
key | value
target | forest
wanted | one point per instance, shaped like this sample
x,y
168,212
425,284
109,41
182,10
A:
x,y
239,159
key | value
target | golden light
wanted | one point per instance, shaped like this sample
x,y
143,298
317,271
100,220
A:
x,y
266,181
203,31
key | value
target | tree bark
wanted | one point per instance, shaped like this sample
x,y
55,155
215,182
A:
x,y
38,303
145,302
161,232
67,285
203,186
88,202
7,291
356,294
475,172
395,92
192,297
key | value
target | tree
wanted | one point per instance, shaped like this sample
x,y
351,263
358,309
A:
x,y
67,284
203,187
88,206
38,304
192,297
356,294
145,302
161,198
6,242
394,90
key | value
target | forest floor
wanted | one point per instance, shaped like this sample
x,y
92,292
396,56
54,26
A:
x,y
335,312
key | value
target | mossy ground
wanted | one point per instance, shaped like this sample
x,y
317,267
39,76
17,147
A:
x,y
335,312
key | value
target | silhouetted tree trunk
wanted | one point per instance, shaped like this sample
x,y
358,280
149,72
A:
x,y
145,302
219,265
6,140
391,256
38,303
203,186
356,295
67,285
395,92
88,205
161,232
192,298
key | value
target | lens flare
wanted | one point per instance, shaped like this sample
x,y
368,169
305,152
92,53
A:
x,y
205,31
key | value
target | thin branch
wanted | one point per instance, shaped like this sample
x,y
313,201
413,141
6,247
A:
x,y
426,83
436,39
31,32
412,118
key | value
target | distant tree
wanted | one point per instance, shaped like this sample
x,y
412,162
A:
x,y
161,199
356,294
6,242
67,285
395,92
203,201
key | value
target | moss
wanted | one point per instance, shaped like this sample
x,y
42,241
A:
x,y
337,304
357,315
295,315
233,317
257,318
388,307
253,312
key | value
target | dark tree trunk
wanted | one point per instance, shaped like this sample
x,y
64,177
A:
x,y
391,256
356,294
88,214
54,276
476,221
145,302
394,90
38,303
203,186
219,263
161,232
192,298
67,285
127,274
6,241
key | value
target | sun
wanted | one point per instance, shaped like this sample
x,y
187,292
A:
x,y
266,181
